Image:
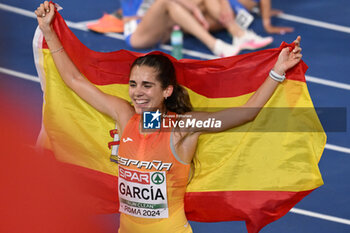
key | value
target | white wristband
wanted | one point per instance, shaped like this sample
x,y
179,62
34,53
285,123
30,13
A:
x,y
277,77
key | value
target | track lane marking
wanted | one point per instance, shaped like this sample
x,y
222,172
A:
x,y
315,23
320,216
326,82
20,75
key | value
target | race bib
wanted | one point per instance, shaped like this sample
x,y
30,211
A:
x,y
244,18
143,194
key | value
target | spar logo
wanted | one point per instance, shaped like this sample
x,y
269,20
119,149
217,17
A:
x,y
151,120
157,178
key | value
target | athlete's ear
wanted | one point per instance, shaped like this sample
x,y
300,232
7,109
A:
x,y
168,91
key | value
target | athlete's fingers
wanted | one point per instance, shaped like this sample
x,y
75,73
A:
x,y
297,49
52,7
297,41
41,10
47,6
299,56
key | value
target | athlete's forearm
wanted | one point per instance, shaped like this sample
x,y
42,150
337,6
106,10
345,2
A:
x,y
261,96
236,116
77,82
68,71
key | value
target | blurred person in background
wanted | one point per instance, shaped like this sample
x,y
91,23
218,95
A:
x,y
148,23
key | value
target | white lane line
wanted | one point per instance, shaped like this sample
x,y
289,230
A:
x,y
190,52
20,75
77,26
320,216
115,36
88,21
327,82
31,14
315,23
18,10
337,148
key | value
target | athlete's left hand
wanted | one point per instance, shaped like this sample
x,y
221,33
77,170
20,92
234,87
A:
x,y
288,59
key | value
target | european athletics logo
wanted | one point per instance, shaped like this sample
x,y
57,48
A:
x,y
151,120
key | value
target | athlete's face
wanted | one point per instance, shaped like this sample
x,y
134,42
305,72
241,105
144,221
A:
x,y
145,90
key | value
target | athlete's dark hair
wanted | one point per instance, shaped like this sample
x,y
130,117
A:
x,y
179,101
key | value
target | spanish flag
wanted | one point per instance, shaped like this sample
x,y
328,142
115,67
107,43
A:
x,y
254,173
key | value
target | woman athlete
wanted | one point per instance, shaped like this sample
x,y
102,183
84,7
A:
x,y
154,166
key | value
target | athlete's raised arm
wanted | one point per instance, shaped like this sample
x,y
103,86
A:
x,y
239,115
117,108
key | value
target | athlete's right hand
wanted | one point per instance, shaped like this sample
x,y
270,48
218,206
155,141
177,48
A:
x,y
44,14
